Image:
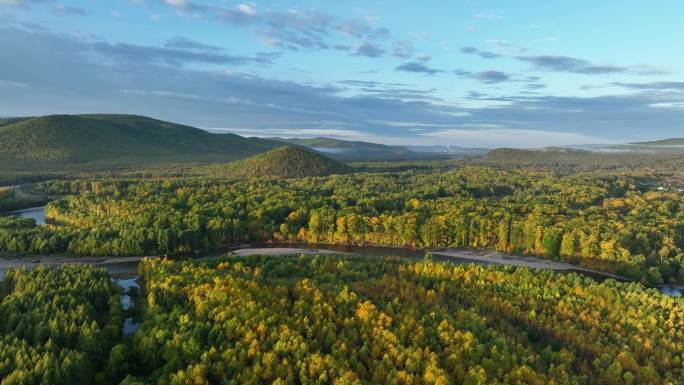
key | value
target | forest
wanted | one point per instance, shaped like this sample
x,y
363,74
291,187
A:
x,y
353,320
326,319
58,325
620,223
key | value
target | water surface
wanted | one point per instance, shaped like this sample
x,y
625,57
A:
x,y
36,213
129,326
673,291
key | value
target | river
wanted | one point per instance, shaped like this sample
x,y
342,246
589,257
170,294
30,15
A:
x,y
125,269
129,326
36,213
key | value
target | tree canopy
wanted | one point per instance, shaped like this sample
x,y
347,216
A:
x,y
351,320
57,325
617,223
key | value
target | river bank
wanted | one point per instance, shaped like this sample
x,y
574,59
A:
x,y
522,261
35,213
117,267
128,266
30,204
276,251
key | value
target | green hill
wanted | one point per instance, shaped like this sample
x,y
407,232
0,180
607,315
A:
x,y
353,150
283,162
106,140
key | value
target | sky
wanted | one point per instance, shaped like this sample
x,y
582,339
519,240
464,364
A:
x,y
507,73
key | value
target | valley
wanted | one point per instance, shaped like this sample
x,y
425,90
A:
x,y
199,192
499,248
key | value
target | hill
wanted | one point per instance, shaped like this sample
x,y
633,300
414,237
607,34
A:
x,y
106,140
355,150
662,142
566,160
6,121
283,162
534,155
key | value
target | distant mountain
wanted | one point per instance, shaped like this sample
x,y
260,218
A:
x,y
68,140
662,142
449,150
283,162
6,121
354,150
546,156
567,161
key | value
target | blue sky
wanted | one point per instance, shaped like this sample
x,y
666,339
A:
x,y
471,73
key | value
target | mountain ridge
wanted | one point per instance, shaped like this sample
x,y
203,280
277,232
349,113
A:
x,y
108,142
107,138
662,142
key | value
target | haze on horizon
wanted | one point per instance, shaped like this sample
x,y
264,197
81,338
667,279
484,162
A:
x,y
466,73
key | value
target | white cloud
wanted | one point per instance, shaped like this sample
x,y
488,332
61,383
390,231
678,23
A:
x,y
218,98
161,94
247,9
488,16
12,84
410,124
180,4
674,105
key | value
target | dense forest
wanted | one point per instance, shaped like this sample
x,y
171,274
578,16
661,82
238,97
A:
x,y
354,320
580,219
326,319
57,325
619,224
